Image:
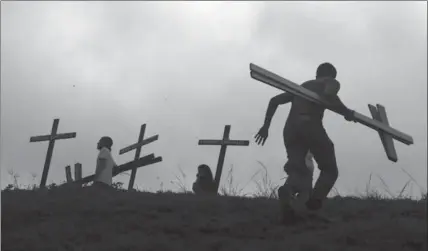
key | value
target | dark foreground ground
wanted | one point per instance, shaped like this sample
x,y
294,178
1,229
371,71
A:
x,y
87,219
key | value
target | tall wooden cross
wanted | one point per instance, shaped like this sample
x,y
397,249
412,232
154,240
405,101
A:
x,y
223,143
51,138
137,146
379,122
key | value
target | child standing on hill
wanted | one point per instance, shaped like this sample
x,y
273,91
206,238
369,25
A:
x,y
105,163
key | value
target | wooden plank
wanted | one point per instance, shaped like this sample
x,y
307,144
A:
x,y
214,142
221,157
68,174
144,161
211,142
49,155
389,143
283,84
63,136
53,137
137,156
139,144
40,138
77,171
236,142
379,113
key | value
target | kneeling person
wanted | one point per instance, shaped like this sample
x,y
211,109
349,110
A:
x,y
204,183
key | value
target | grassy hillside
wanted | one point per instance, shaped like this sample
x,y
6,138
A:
x,y
92,219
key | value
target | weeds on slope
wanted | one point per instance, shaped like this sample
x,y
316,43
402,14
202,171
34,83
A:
x,y
265,186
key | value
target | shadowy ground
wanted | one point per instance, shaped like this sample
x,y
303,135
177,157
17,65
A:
x,y
92,219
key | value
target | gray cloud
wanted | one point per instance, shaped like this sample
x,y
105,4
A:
x,y
182,68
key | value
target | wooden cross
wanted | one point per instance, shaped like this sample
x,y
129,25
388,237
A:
x,y
137,146
223,143
379,123
51,138
144,161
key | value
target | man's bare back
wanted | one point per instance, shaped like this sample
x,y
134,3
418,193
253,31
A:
x,y
302,109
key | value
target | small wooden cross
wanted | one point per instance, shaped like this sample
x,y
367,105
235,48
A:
x,y
51,138
380,125
223,143
137,146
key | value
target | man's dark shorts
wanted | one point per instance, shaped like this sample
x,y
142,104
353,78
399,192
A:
x,y
303,136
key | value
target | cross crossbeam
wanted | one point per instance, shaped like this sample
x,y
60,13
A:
x,y
51,138
380,125
137,146
223,143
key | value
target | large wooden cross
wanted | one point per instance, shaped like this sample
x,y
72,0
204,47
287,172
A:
x,y
137,146
379,122
51,138
223,143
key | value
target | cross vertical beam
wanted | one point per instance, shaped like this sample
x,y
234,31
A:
x,y
51,138
223,143
378,113
137,146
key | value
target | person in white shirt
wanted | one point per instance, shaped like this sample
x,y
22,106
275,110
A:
x,y
105,163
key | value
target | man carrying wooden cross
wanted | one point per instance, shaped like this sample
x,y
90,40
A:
x,y
303,132
105,163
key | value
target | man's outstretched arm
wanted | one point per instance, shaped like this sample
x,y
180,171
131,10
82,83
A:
x,y
280,99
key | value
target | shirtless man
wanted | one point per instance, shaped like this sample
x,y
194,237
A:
x,y
303,132
105,163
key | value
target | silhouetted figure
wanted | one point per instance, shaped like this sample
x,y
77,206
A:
x,y
105,163
304,131
204,183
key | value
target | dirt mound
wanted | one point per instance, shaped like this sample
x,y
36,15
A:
x,y
91,219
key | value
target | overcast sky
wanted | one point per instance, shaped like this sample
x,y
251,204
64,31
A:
x,y
105,68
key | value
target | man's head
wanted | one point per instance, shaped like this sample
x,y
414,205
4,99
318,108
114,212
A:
x,y
326,70
105,142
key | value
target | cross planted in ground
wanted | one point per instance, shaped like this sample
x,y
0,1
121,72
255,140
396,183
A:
x,y
137,146
51,138
223,143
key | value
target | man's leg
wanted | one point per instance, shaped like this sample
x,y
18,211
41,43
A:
x,y
295,168
304,188
323,150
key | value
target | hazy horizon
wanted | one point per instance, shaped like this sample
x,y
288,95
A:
x,y
182,68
